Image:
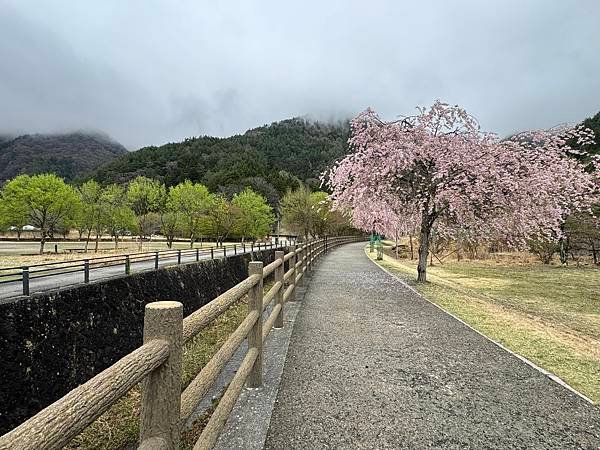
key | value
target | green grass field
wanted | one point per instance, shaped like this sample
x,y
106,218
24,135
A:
x,y
548,314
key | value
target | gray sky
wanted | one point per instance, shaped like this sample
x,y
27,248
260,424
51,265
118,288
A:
x,y
149,72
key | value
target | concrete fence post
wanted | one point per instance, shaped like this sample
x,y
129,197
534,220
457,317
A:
x,y
86,270
161,390
279,272
255,296
25,276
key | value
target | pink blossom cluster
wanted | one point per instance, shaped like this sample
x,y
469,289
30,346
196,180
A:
x,y
438,169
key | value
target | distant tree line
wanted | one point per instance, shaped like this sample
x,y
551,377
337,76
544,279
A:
x,y
145,206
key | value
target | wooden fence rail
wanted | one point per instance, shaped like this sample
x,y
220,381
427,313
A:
x,y
157,363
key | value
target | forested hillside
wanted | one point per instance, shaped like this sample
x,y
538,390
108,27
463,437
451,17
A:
x,y
67,155
593,123
270,158
5,138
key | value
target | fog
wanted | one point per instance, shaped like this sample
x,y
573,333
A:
x,y
149,72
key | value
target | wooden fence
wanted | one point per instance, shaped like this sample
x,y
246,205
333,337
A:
x,y
157,363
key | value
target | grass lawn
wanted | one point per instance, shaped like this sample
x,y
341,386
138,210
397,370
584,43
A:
x,y
548,314
13,253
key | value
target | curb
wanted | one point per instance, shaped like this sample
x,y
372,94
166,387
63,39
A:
x,y
550,375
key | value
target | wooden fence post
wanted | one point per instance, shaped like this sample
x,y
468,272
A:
x,y
303,263
293,265
307,263
279,271
255,296
161,391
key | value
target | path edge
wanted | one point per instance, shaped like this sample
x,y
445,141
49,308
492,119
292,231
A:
x,y
530,363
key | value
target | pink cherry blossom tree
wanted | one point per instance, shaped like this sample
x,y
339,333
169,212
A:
x,y
438,167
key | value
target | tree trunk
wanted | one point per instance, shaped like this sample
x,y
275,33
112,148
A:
x,y
412,251
192,241
87,240
423,249
396,244
116,241
564,252
42,242
97,241
594,251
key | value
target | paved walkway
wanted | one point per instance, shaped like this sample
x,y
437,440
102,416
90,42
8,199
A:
x,y
373,365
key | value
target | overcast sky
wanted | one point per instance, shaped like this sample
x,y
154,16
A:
x,y
149,72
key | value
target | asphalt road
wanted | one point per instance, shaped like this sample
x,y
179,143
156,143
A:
x,y
15,289
373,365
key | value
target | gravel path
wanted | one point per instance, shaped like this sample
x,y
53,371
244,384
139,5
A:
x,y
373,365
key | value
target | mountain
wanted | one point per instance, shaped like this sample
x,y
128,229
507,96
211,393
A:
x,y
68,155
270,158
593,123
